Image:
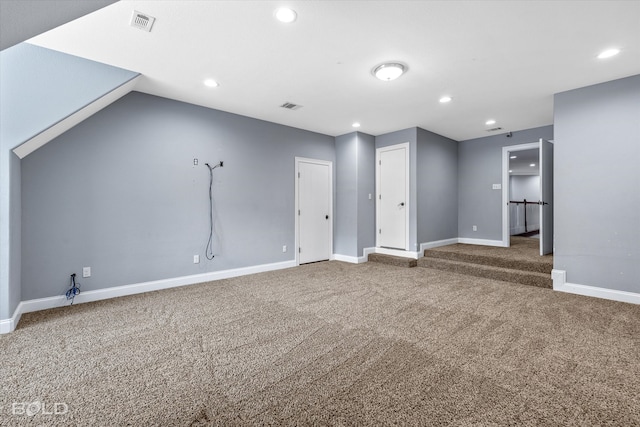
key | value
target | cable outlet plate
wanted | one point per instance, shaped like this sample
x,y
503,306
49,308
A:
x,y
196,259
86,271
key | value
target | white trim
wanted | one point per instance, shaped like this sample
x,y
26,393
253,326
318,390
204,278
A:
x,y
397,252
482,242
299,160
560,284
437,244
407,148
353,259
73,119
8,325
505,187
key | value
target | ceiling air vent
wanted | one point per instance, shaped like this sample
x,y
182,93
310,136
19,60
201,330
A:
x,y
291,106
494,129
141,21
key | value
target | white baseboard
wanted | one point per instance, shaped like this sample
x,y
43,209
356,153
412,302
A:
x,y
482,242
397,252
560,284
437,244
8,325
353,259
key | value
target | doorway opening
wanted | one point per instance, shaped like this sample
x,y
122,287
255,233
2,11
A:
x,y
527,196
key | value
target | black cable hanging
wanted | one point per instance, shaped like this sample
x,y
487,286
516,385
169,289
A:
x,y
209,251
75,289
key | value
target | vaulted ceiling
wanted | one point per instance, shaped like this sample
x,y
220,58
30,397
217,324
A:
x,y
496,59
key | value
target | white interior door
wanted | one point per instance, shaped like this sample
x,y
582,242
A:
x,y
546,197
392,198
314,211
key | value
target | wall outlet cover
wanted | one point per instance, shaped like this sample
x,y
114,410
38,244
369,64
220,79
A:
x,y
86,271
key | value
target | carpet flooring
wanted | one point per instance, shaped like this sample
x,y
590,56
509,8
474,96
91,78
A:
x,y
328,344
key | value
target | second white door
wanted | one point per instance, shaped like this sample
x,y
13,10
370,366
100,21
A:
x,y
392,196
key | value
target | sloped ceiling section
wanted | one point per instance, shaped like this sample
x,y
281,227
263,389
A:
x,y
45,92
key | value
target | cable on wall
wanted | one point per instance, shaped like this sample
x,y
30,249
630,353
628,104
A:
x,y
209,251
74,290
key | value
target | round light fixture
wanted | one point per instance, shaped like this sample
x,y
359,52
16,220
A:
x,y
389,71
513,157
608,53
445,99
286,15
356,125
211,83
533,165
490,122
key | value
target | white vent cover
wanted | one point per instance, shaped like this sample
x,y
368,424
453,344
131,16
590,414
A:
x,y
291,106
494,129
142,21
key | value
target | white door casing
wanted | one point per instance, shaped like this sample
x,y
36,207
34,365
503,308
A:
x,y
392,196
314,210
546,197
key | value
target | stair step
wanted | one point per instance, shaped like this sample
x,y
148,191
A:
x,y
531,278
495,261
393,260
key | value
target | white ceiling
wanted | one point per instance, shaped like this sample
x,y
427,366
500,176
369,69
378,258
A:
x,y
521,165
498,59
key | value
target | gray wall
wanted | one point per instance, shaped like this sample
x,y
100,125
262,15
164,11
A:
x,y
40,87
399,137
366,187
355,175
22,19
597,184
119,192
480,166
437,187
346,224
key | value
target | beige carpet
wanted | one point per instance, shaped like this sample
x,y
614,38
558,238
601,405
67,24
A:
x,y
330,344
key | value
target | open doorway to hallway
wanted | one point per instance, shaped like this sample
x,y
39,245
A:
x,y
527,182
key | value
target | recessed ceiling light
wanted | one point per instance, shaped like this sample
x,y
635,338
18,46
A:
x,y
532,165
608,53
389,71
513,157
356,125
286,15
211,83
510,171
445,99
490,122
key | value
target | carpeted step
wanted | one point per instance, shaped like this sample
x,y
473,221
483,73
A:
x,y
393,260
495,261
531,278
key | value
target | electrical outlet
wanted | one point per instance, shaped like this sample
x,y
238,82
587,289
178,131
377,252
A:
x,y
475,228
196,259
86,271
284,248
497,187
195,162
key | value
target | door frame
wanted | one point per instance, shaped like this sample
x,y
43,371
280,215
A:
x,y
407,147
506,152
299,160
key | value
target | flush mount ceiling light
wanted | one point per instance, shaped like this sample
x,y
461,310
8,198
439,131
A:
x,y
445,99
356,125
533,165
389,71
490,122
513,157
608,53
211,83
286,15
